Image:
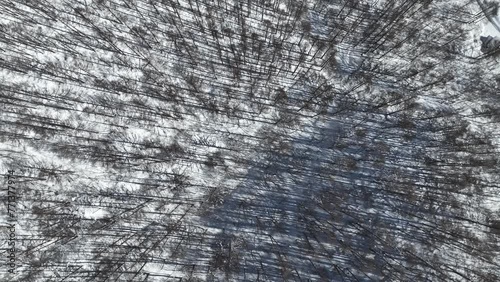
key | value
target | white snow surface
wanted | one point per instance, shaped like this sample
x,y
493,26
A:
x,y
298,211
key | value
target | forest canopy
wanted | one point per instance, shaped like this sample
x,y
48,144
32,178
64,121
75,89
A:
x,y
234,140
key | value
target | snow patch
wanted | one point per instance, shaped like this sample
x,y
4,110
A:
x,y
93,213
490,29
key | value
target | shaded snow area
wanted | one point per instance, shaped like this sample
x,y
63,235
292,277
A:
x,y
221,140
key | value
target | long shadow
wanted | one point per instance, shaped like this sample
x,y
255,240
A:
x,y
347,207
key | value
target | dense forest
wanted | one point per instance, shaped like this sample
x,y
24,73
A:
x,y
244,140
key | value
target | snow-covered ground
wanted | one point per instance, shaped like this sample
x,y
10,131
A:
x,y
245,141
491,29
